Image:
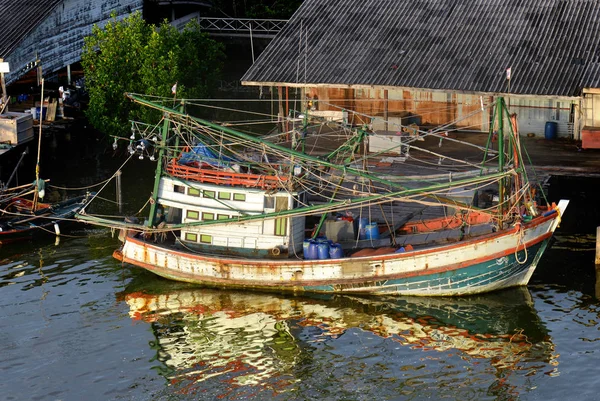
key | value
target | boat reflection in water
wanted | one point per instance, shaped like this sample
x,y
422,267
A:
x,y
218,341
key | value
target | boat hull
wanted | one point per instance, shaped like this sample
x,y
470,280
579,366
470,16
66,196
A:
x,y
490,262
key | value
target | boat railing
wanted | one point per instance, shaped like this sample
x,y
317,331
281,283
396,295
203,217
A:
x,y
220,177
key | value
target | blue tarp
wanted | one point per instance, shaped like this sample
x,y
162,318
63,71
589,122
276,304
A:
x,y
201,154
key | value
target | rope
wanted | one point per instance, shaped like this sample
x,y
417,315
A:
x,y
108,180
81,188
520,240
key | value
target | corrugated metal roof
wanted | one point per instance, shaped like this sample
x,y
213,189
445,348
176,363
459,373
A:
x,y
552,46
18,18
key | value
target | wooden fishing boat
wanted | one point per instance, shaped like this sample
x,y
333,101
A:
x,y
230,209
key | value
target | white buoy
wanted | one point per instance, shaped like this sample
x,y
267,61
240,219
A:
x,y
56,229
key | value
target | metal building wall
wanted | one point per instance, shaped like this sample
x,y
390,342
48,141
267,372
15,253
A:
x,y
533,113
58,40
437,108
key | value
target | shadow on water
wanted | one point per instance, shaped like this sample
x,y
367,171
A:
x,y
569,262
228,344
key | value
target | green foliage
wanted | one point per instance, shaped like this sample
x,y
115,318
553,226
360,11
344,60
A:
x,y
133,56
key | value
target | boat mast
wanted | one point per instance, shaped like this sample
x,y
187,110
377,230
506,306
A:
x,y
158,173
500,114
38,182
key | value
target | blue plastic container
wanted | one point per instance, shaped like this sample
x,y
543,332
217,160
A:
x,y
551,130
323,250
362,224
37,113
335,251
309,248
372,231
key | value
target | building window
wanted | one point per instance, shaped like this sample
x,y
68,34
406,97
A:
x,y
179,189
192,214
193,192
206,216
209,194
206,239
191,237
222,217
239,197
224,195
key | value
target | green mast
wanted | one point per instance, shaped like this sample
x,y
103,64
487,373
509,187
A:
x,y
158,173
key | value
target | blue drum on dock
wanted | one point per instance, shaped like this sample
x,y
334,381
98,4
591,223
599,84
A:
x,y
551,129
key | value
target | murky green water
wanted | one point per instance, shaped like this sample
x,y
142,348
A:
x,y
76,324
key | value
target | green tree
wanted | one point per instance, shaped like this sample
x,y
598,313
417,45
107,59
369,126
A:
x,y
133,56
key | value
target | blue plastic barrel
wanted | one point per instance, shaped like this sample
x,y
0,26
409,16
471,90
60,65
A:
x,y
362,225
309,248
335,251
551,129
323,250
372,231
37,113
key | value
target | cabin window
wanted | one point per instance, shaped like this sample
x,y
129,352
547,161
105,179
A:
x,y
191,237
239,197
193,192
192,214
179,189
206,239
206,216
269,202
224,195
222,217
209,194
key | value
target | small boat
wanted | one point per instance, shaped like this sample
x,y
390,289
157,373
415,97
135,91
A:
x,y
232,209
21,217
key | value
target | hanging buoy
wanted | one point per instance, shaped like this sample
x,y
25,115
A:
x,y
56,229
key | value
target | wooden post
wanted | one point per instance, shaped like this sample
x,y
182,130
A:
x,y
69,74
385,109
280,113
597,246
4,96
287,108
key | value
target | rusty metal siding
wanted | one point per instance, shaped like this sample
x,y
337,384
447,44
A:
x,y
552,46
433,108
58,38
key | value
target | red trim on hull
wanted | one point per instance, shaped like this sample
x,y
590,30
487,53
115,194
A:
x,y
423,272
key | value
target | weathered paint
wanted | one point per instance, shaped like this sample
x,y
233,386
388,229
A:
x,y
498,260
58,40
438,108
